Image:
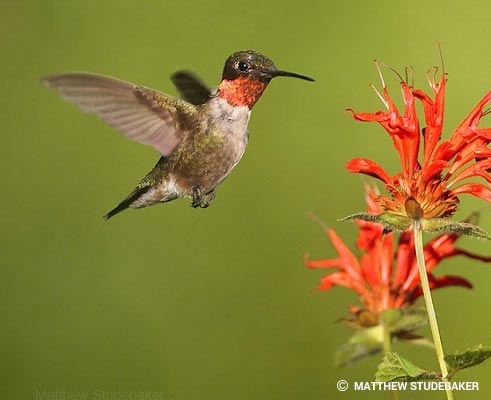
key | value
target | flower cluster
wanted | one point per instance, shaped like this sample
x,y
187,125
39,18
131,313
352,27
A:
x,y
392,271
428,188
385,275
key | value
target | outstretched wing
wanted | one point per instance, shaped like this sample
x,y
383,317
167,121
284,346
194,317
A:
x,y
190,87
144,115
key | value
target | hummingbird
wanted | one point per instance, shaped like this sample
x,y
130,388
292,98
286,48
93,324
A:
x,y
200,138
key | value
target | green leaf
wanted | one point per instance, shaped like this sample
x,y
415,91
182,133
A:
x,y
398,222
392,222
349,353
400,320
461,228
362,343
368,341
396,368
468,358
417,340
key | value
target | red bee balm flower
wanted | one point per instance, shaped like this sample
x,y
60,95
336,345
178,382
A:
x,y
386,274
428,190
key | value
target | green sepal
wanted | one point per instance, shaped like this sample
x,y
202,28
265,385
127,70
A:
x,y
462,228
396,368
391,221
467,359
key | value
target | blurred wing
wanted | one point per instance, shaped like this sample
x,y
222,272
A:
x,y
144,115
190,87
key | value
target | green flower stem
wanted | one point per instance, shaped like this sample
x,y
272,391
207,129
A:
x,y
430,309
387,345
387,348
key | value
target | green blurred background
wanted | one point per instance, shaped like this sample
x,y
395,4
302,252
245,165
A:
x,y
216,303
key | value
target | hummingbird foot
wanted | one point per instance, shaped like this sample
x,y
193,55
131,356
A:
x,y
207,199
196,197
202,200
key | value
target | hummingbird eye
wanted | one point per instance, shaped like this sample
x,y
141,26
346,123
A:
x,y
243,66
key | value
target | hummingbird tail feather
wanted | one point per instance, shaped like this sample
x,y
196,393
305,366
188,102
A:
x,y
127,202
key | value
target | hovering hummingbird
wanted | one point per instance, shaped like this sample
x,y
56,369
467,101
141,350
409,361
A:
x,y
200,139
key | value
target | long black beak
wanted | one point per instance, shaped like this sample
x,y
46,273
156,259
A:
x,y
276,73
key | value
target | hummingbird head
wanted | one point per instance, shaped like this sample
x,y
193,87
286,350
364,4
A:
x,y
246,75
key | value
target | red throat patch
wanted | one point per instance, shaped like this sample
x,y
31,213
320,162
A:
x,y
242,91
